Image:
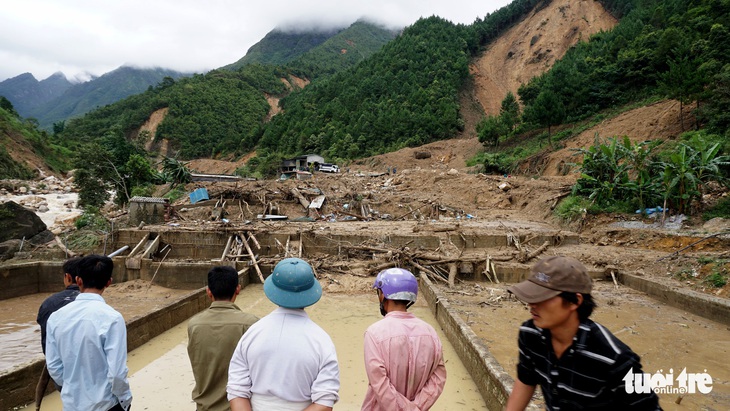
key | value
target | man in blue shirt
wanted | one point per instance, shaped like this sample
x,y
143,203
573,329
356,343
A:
x,y
48,307
86,345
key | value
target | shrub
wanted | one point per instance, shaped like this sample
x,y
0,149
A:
x,y
91,219
716,279
174,194
721,209
572,208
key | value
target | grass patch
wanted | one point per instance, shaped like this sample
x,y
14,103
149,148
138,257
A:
x,y
85,240
716,279
572,208
721,209
174,194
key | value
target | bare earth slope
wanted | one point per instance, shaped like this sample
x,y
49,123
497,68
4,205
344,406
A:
x,y
532,46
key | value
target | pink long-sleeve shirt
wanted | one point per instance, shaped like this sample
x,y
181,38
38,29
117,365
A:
x,y
404,363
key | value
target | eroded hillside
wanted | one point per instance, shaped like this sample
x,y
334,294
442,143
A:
x,y
532,46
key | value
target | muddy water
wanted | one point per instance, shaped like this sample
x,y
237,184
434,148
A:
x,y
20,335
161,377
664,337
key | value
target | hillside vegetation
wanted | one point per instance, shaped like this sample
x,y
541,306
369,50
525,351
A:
x,y
81,98
279,47
27,93
33,150
410,93
221,112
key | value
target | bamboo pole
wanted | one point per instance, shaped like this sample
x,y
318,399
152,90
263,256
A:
x,y
228,247
253,259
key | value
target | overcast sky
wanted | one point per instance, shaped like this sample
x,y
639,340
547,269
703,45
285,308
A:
x,y
82,37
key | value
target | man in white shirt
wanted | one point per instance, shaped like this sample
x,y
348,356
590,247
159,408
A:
x,y
285,361
86,345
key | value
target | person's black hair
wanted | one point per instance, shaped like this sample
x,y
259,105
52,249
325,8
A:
x,y
95,271
71,266
585,309
222,282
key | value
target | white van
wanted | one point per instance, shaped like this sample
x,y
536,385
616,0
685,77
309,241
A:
x,y
329,168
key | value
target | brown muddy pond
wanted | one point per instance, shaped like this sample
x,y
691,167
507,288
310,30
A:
x,y
161,377
663,336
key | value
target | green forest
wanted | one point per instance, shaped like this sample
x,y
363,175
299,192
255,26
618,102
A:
x,y
404,92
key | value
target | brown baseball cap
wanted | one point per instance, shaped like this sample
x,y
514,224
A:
x,y
552,276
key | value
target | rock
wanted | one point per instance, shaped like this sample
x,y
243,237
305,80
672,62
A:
x,y
8,249
43,208
504,186
17,222
453,172
716,224
23,190
422,154
43,237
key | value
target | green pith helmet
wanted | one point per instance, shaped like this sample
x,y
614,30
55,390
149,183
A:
x,y
292,284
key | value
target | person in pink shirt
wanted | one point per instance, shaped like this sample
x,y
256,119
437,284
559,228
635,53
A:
x,y
403,355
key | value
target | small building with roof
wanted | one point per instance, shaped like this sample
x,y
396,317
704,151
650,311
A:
x,y
150,210
301,163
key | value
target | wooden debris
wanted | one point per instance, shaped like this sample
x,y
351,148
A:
x,y
65,249
303,201
253,238
453,270
253,257
524,257
227,248
613,277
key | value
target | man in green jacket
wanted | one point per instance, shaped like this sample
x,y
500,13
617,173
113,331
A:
x,y
213,335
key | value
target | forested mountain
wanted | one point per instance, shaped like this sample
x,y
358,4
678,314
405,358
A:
x,y
675,48
406,94
106,89
317,53
279,47
222,111
403,95
26,93
343,50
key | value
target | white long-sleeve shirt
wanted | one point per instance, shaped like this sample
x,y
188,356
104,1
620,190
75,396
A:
x,y
287,355
86,353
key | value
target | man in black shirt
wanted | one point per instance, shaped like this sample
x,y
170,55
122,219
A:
x,y
578,363
48,307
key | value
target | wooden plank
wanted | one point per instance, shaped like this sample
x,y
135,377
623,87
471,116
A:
x,y
228,247
139,246
253,259
152,248
253,238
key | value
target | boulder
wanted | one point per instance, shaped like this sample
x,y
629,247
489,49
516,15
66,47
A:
x,y
17,222
422,155
8,249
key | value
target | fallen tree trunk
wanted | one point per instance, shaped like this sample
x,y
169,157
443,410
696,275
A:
x,y
303,201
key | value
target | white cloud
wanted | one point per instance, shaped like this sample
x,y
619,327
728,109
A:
x,y
81,37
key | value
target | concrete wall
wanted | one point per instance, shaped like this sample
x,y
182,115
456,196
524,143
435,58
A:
x,y
17,387
147,212
493,382
30,278
198,245
707,306
191,245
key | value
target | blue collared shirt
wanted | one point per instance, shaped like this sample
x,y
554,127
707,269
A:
x,y
86,353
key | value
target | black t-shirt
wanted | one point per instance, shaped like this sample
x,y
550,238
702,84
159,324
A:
x,y
53,303
588,376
